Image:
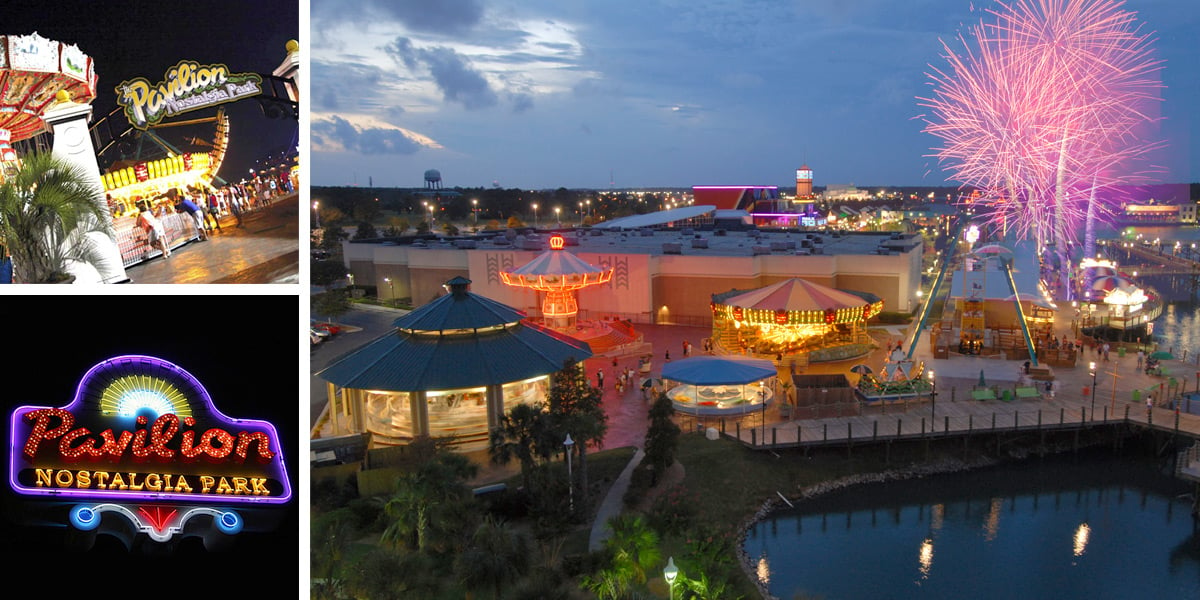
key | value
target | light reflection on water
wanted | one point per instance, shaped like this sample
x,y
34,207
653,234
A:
x,y
1061,530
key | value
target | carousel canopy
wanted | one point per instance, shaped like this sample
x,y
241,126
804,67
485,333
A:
x,y
718,370
411,359
795,295
459,310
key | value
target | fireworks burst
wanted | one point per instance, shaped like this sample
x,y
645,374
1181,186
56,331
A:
x,y
1045,110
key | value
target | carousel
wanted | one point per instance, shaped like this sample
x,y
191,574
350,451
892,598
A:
x,y
719,385
792,317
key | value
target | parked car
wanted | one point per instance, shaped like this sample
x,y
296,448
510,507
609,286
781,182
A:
x,y
329,328
316,336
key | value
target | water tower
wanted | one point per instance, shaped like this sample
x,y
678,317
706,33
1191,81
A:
x,y
433,179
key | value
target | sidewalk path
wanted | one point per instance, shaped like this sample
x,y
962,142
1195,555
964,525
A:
x,y
266,249
613,504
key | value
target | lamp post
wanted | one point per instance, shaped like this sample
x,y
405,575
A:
x,y
391,296
762,399
557,218
431,217
350,276
1092,372
569,444
670,572
535,219
317,213
475,210
581,213
932,402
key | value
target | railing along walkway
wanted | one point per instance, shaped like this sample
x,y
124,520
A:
x,y
954,419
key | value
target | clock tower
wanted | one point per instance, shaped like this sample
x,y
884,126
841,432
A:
x,y
804,182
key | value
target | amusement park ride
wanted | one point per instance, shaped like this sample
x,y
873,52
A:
x,y
46,91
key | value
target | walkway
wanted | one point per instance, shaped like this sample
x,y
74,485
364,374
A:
x,y
266,249
1120,394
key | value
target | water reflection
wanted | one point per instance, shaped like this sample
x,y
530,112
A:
x,y
1082,533
764,569
991,525
926,557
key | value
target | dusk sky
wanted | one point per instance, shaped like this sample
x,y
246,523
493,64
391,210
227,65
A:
x,y
671,93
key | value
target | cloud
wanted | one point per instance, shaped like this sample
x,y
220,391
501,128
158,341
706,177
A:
x,y
332,133
443,17
452,72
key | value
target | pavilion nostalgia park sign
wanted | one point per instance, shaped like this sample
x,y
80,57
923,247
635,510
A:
x,y
142,443
185,87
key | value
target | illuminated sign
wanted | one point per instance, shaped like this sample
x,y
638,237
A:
x,y
557,242
139,429
185,87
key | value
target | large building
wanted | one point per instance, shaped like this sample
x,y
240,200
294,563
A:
x,y
659,276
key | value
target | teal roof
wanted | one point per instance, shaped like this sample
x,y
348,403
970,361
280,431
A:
x,y
459,309
418,355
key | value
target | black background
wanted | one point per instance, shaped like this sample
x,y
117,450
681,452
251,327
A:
x,y
245,350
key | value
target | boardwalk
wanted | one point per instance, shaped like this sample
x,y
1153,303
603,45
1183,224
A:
x,y
952,419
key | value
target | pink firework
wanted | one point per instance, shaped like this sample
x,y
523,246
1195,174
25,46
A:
x,y
1046,113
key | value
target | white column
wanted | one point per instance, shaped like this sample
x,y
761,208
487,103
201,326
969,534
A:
x,y
72,142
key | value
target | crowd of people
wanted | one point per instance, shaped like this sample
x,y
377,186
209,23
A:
x,y
207,206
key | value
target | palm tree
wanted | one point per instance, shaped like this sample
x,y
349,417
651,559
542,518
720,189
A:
x,y
523,436
495,558
430,504
576,409
634,546
49,212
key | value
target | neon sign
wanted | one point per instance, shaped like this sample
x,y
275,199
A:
x,y
557,242
141,428
185,87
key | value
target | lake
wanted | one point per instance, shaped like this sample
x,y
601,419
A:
x,y
1090,525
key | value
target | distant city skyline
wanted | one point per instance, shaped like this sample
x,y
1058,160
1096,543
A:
x,y
662,94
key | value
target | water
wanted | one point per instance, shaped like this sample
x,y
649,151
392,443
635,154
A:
x,y
1178,329
1063,528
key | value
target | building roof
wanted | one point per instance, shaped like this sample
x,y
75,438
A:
x,y
661,217
406,362
456,311
460,340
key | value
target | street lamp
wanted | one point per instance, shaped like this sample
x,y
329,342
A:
x,y
391,296
670,572
581,213
762,399
535,219
932,402
569,444
475,209
350,276
1092,372
317,212
557,219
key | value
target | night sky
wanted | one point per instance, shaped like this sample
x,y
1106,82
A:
x,y
243,349
128,39
674,93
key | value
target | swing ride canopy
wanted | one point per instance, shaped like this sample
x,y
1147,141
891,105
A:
x,y
555,270
33,70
